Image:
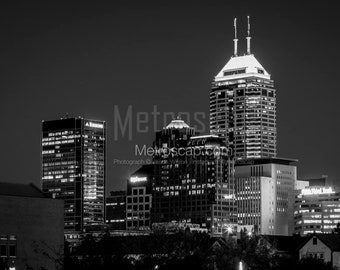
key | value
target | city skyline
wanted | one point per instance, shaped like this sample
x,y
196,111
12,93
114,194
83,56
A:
x,y
82,61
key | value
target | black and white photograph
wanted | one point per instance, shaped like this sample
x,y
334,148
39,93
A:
x,y
162,135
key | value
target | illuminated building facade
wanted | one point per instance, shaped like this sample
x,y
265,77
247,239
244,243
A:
x,y
192,179
243,106
73,169
210,197
139,199
116,210
317,210
265,194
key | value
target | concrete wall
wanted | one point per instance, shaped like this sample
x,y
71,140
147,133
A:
x,y
38,224
268,205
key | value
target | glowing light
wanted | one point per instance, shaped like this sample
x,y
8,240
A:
x,y
94,125
228,197
317,191
136,179
240,266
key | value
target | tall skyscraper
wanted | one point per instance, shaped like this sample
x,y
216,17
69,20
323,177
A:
x,y
169,171
73,169
243,106
193,179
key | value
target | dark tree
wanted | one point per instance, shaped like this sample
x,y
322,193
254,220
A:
x,y
313,264
336,230
3,265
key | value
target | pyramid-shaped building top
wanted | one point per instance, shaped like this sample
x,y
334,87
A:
x,y
242,66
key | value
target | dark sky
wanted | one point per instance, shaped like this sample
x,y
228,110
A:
x,y
85,58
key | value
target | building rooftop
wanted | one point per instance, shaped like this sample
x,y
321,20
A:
x,y
268,160
330,240
205,136
242,65
289,244
21,190
145,170
177,124
206,139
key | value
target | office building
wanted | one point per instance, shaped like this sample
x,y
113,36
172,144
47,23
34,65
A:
x,y
243,106
31,228
210,183
139,199
116,210
265,194
193,181
73,169
317,210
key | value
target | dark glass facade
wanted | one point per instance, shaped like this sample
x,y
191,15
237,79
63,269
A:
x,y
73,169
116,210
193,180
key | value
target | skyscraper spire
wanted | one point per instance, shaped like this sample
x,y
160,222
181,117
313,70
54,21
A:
x,y
235,39
248,37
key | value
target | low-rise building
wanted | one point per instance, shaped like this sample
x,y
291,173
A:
x,y
139,199
325,247
317,210
31,228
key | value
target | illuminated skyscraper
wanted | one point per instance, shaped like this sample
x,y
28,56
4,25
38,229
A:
x,y
243,106
193,179
73,169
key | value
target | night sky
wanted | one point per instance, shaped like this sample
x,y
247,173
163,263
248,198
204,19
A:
x,y
85,58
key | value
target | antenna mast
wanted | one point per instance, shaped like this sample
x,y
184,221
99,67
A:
x,y
248,37
235,39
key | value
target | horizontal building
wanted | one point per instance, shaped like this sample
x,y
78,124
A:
x,y
317,210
